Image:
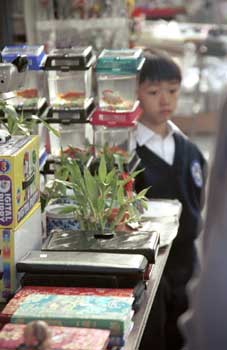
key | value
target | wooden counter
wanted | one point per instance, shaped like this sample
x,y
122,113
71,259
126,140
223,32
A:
x,y
141,317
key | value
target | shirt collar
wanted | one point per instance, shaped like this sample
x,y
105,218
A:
x,y
145,134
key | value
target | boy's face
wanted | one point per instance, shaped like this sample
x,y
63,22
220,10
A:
x,y
158,100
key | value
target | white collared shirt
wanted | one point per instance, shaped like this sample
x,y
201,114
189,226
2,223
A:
x,y
162,147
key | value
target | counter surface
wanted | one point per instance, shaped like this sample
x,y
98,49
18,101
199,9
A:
x,y
140,318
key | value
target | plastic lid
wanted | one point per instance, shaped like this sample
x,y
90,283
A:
x,y
34,54
75,58
120,61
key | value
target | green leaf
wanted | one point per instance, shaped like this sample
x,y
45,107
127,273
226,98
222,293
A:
x,y
74,170
65,183
135,173
111,177
120,195
142,193
102,170
132,212
62,173
47,125
11,125
91,185
23,129
144,204
21,118
10,110
68,209
100,205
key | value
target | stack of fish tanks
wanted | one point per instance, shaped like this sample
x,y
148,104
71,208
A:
x,y
28,95
70,95
30,98
115,118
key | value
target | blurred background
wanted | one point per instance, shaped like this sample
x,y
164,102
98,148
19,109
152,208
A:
x,y
194,33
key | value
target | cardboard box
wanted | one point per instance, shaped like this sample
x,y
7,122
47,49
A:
x,y
14,244
19,179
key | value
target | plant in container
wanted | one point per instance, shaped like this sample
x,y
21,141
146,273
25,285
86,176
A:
x,y
114,158
103,199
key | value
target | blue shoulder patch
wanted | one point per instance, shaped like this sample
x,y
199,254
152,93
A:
x,y
196,172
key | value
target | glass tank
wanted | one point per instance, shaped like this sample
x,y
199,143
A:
x,y
69,89
117,92
118,139
70,77
33,89
117,72
74,135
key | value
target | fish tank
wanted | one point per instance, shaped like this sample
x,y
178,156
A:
x,y
71,135
117,78
30,97
117,92
70,77
120,143
116,138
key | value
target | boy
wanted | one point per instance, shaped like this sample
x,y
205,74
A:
x,y
174,168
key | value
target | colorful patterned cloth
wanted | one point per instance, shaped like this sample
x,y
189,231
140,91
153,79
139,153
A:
x,y
63,338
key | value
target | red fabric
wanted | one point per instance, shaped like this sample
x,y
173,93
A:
x,y
13,304
63,338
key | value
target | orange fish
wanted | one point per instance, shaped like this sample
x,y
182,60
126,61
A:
x,y
72,95
111,97
28,93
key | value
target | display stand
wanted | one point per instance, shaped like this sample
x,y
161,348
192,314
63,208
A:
x,y
141,317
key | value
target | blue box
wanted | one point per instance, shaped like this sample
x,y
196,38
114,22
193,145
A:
x,y
34,53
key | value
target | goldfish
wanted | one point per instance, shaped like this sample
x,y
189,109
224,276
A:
x,y
111,97
28,93
72,95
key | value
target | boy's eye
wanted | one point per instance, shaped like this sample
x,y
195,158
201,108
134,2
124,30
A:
x,y
173,91
153,92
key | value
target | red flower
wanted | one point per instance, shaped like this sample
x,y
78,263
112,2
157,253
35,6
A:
x,y
129,185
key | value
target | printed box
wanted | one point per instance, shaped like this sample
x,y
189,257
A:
x,y
14,244
19,179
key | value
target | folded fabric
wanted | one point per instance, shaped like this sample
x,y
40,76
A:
x,y
144,243
62,338
18,298
88,311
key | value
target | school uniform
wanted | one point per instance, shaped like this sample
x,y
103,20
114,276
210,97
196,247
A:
x,y
174,168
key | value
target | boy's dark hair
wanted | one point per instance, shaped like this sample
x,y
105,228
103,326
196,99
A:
x,y
159,66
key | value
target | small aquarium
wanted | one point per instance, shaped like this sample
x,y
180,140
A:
x,y
71,136
70,77
118,139
69,89
117,72
117,92
30,97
